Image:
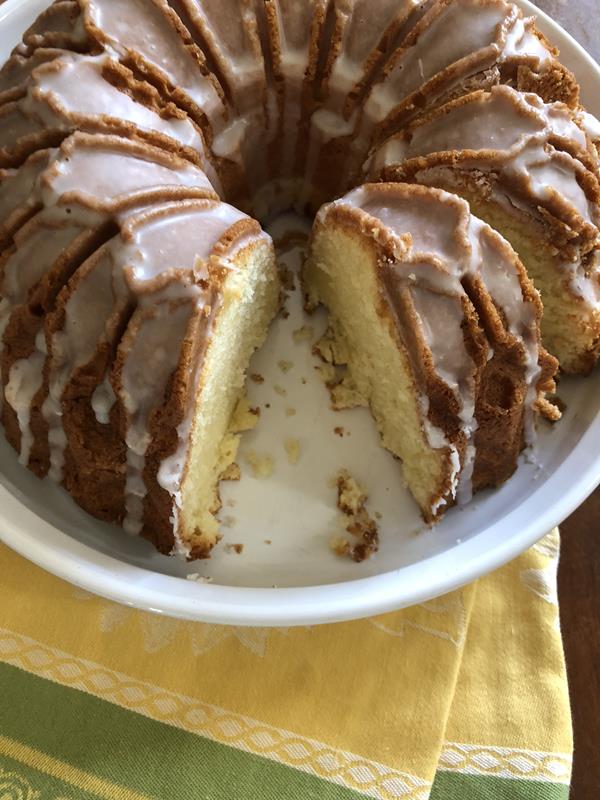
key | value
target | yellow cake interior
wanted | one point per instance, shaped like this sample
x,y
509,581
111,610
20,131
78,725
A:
x,y
250,299
342,274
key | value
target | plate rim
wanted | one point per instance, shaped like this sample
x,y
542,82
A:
x,y
134,586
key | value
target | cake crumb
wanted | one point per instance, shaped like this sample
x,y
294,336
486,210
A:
x,y
195,576
262,466
234,548
328,373
339,431
257,377
351,496
244,418
229,521
267,405
285,366
287,278
334,371
378,515
292,448
339,545
351,501
303,334
284,313
346,395
232,472
330,349
290,412
280,390
268,541
303,380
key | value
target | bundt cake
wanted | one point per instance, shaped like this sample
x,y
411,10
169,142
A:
x,y
132,295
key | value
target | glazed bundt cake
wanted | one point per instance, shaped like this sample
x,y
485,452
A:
x,y
132,295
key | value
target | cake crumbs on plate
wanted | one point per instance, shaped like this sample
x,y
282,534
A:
x,y
334,372
280,390
351,501
232,472
290,412
268,541
236,548
262,466
286,276
257,377
285,366
243,418
328,373
195,576
303,380
303,334
340,431
292,449
339,545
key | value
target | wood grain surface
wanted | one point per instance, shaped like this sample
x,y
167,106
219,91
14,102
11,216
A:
x,y
579,572
579,599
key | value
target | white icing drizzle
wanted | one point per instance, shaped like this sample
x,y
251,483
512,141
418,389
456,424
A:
x,y
71,93
17,190
521,41
146,29
229,142
437,439
590,124
100,175
25,380
508,133
361,33
103,400
150,363
293,42
461,29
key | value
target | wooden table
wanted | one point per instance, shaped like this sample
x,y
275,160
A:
x,y
579,573
579,597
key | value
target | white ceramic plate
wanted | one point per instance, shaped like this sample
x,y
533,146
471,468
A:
x,y
296,579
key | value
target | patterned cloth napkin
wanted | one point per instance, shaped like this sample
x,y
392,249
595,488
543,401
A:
x,y
460,698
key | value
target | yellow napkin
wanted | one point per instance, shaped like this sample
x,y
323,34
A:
x,y
461,697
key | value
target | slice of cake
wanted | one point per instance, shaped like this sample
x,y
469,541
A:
x,y
439,325
139,416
